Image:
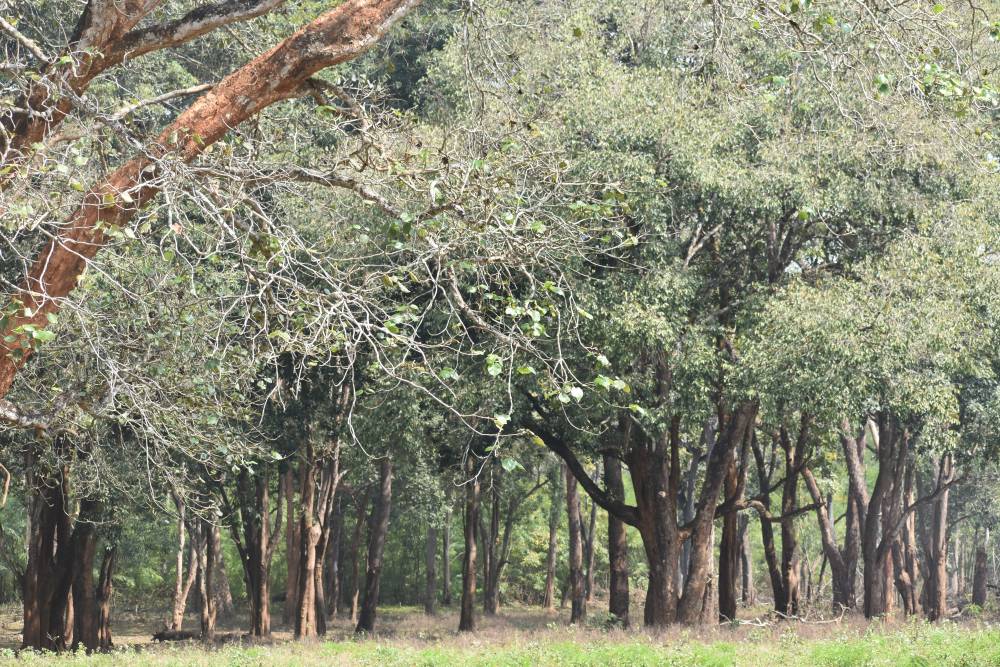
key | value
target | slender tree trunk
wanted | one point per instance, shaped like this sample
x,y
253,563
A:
x,y
446,554
618,590
105,591
491,557
354,593
333,566
467,619
376,546
181,582
555,514
222,593
293,549
748,594
578,598
430,592
936,548
588,553
767,528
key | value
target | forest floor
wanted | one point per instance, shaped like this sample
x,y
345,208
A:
x,y
529,636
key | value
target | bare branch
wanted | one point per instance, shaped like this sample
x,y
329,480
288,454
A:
x,y
25,41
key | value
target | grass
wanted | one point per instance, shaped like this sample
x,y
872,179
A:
x,y
530,637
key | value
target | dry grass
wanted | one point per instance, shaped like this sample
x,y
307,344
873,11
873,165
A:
x,y
529,636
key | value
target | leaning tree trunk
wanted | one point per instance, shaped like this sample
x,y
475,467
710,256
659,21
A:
x,y
576,583
376,546
618,594
280,73
467,618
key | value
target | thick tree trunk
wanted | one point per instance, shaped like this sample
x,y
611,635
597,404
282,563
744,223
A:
x,y
979,578
430,562
730,549
655,478
467,618
206,555
618,590
882,515
376,546
692,603
578,600
105,590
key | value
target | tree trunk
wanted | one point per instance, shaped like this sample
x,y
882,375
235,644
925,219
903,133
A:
x,y
766,528
936,547
979,578
182,583
491,556
221,592
376,546
446,552
748,593
655,478
430,591
256,540
692,603
588,554
838,568
618,590
467,619
333,574
293,549
729,550
578,598
105,591
206,555
789,504
354,592
555,514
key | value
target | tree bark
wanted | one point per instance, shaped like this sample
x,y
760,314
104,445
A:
x,y
618,589
748,593
376,546
979,578
430,562
730,549
338,35
467,618
446,553
578,600
936,546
